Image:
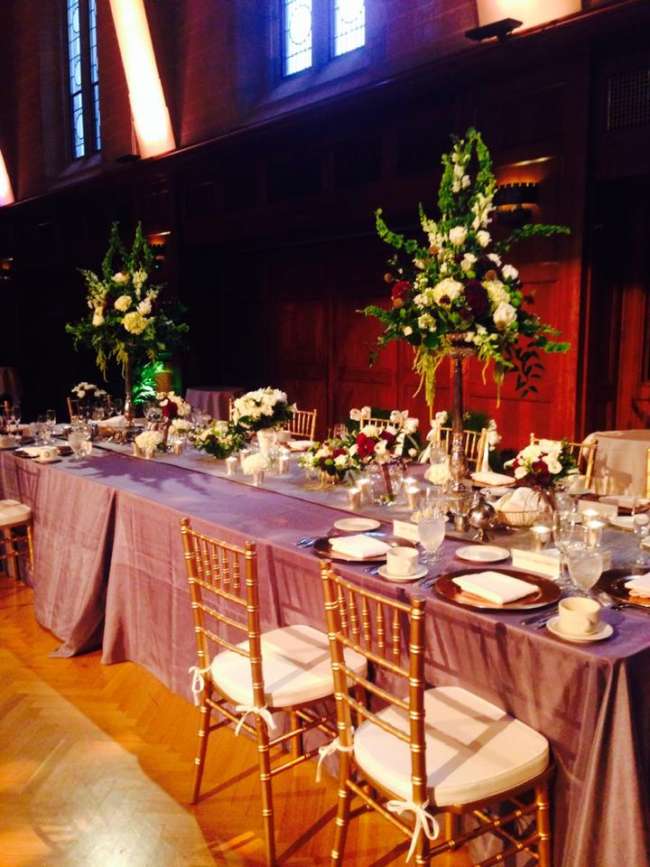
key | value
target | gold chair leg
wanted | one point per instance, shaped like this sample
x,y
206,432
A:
x,y
202,749
267,791
30,546
422,852
342,811
9,553
295,745
543,824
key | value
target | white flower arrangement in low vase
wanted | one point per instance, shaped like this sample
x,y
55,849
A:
x,y
255,465
148,442
173,405
262,409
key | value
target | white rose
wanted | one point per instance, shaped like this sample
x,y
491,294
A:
x,y
144,307
554,466
520,472
341,461
494,257
483,238
122,303
447,288
510,272
120,278
457,235
467,261
504,315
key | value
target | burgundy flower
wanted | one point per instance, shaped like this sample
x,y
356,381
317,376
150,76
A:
x,y
400,289
477,299
170,410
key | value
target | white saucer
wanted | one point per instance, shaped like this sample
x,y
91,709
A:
x,y
482,553
605,631
47,460
623,522
357,525
383,571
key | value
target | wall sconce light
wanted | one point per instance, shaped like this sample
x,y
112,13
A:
x,y
513,203
158,242
6,192
6,267
496,29
528,13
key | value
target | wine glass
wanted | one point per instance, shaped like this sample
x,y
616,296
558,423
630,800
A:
x,y
564,534
50,419
585,567
431,532
641,523
76,441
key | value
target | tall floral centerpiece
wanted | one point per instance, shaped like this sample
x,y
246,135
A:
x,y
454,295
128,320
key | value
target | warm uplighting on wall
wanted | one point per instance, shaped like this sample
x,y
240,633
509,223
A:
x,y
514,203
529,12
6,267
151,121
158,242
6,192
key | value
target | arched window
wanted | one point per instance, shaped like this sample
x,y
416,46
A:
x,y
316,31
83,76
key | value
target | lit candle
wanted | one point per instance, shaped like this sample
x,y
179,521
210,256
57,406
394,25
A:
x,y
231,465
242,454
590,514
594,533
354,495
541,536
413,494
283,461
366,490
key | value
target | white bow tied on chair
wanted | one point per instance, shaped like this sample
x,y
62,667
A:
x,y
246,709
424,822
328,750
198,681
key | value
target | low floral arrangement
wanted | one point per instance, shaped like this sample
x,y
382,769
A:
x,y
398,440
180,426
455,288
128,321
261,409
88,391
333,457
149,441
255,463
542,464
220,439
172,405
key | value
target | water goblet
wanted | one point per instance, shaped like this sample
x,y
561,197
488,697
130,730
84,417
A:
x,y
431,532
76,442
585,567
641,523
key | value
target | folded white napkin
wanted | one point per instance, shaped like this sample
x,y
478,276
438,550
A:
x,y
115,421
639,585
495,586
33,451
300,445
489,478
519,500
359,546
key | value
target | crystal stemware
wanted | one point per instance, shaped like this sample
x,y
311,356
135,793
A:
x,y
641,523
431,532
585,567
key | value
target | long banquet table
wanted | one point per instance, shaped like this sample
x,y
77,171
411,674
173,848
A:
x,y
109,572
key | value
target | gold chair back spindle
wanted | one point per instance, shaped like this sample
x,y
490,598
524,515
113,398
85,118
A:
x,y
303,424
647,476
584,454
473,444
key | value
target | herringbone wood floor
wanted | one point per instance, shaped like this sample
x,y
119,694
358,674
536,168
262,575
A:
x,y
96,765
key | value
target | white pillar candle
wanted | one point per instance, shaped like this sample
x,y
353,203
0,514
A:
x,y
541,536
354,497
413,494
283,461
231,465
594,533
366,490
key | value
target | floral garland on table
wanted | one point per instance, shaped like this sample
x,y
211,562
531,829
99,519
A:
x,y
261,409
542,464
128,320
220,439
333,457
455,285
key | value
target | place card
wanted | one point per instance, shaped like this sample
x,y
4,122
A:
x,y
597,508
406,530
547,562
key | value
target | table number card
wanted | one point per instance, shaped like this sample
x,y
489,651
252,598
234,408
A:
x,y
406,530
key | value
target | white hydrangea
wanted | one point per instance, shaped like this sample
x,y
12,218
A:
x,y
426,322
449,288
457,235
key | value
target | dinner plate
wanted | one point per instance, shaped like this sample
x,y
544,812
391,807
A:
x,y
383,571
623,522
612,581
482,553
357,525
323,549
547,591
605,630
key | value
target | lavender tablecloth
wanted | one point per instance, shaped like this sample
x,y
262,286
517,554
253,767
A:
x,y
213,399
591,701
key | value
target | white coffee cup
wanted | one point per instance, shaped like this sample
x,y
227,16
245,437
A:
x,y
48,453
578,615
402,561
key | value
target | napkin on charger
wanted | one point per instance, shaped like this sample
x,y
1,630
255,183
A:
x,y
495,586
359,547
491,479
639,585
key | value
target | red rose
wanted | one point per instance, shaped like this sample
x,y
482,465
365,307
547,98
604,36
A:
x,y
400,290
170,410
477,299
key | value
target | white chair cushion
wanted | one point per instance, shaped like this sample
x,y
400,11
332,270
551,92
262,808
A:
x,y
12,511
296,666
474,750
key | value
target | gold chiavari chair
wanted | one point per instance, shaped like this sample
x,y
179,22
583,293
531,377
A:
x,y
73,407
647,476
303,424
283,670
584,454
441,750
16,538
473,443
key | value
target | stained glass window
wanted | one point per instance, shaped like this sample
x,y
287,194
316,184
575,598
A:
x,y
75,78
297,35
83,76
349,25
